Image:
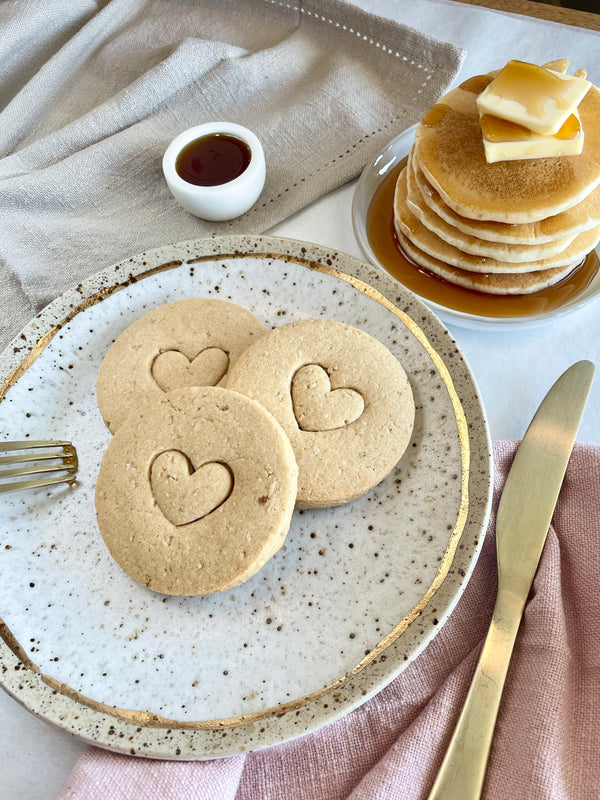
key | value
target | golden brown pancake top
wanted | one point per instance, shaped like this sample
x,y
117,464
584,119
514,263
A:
x,y
450,152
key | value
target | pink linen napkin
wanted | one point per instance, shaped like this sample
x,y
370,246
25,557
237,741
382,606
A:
x,y
546,745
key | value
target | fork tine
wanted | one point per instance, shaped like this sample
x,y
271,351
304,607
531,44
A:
x,y
18,486
13,473
67,455
27,444
61,453
21,457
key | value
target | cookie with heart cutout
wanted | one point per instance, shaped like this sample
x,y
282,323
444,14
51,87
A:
x,y
191,342
196,491
342,398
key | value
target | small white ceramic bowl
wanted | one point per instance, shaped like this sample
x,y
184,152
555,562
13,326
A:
x,y
226,200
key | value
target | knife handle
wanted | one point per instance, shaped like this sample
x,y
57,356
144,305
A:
x,y
463,769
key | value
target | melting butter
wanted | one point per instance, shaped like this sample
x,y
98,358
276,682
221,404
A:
x,y
533,97
506,141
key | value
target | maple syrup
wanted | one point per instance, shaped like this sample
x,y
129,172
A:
x,y
213,159
385,245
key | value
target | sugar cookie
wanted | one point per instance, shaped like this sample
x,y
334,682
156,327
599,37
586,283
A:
x,y
191,342
196,491
342,398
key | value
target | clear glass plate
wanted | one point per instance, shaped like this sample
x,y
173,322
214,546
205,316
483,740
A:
x,y
386,162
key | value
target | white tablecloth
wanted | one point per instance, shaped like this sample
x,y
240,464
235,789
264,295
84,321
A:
x,y
513,369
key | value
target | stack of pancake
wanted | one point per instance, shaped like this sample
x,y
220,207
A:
x,y
509,227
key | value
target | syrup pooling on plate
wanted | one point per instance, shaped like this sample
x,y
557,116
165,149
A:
x,y
383,240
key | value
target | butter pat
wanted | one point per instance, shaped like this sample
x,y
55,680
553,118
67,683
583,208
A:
x,y
536,98
506,141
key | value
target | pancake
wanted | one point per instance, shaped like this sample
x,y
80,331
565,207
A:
x,y
505,283
574,220
513,252
407,223
449,149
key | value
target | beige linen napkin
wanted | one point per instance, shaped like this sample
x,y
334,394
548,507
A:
x,y
92,93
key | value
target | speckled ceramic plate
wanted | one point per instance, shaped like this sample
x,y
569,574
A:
x,y
542,308
328,621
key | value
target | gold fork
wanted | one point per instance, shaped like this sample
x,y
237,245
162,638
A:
x,y
48,463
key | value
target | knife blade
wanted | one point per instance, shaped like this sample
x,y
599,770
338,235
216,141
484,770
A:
x,y
524,514
536,475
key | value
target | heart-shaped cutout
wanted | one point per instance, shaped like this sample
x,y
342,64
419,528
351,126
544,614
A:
x,y
172,369
318,407
185,494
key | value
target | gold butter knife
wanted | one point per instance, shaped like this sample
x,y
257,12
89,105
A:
x,y
524,514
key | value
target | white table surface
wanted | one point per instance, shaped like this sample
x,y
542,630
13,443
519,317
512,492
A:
x,y
513,369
